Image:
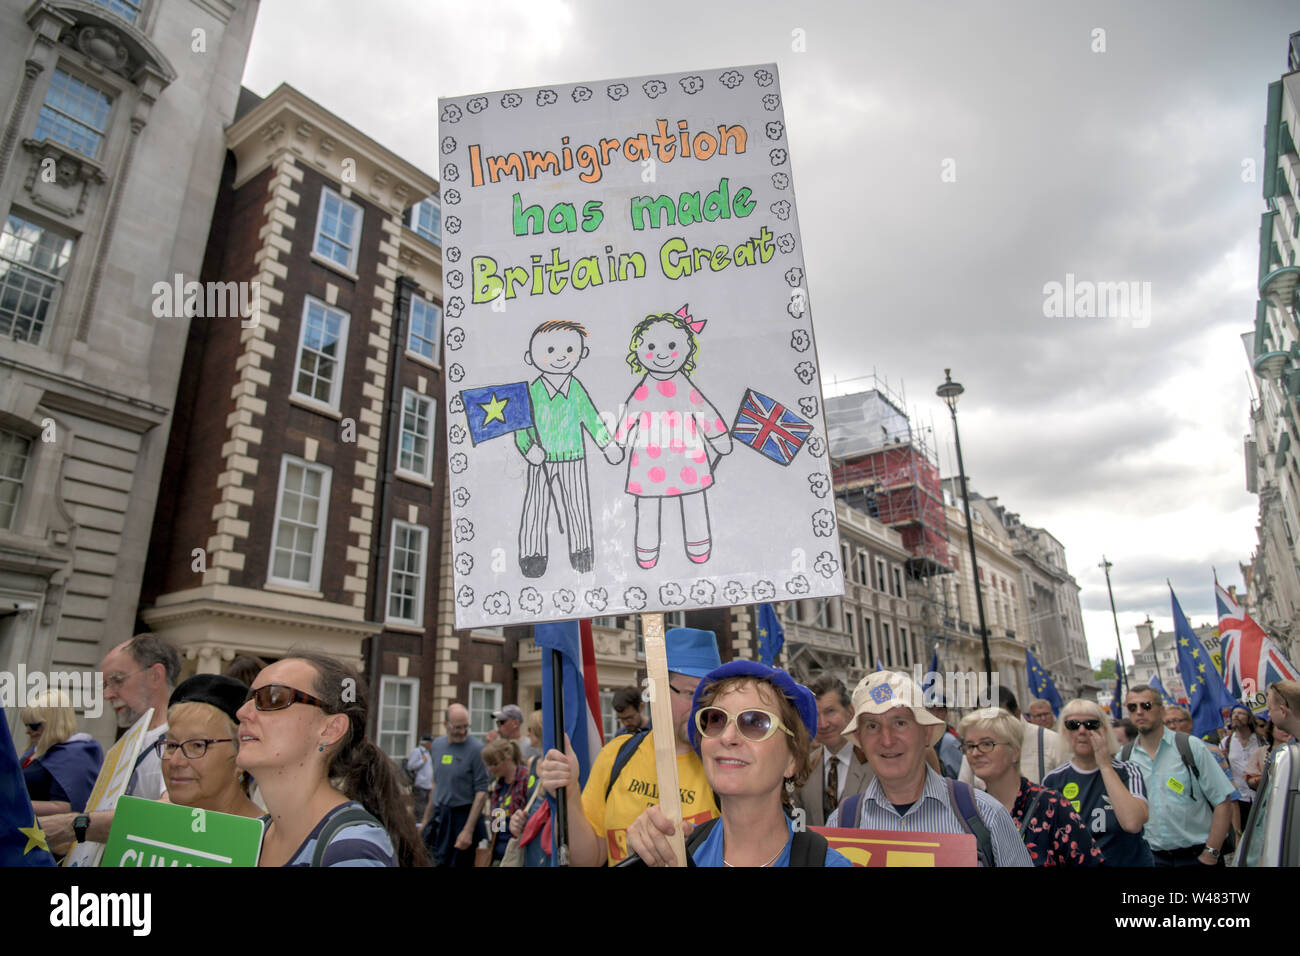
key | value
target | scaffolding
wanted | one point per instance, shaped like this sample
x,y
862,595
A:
x,y
884,467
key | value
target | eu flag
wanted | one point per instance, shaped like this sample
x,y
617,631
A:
x,y
1117,699
931,676
771,635
1205,688
1040,683
1154,684
22,842
496,410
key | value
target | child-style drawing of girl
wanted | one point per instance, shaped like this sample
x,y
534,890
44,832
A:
x,y
673,431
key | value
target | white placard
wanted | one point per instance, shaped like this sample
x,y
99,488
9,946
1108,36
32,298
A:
x,y
114,776
634,415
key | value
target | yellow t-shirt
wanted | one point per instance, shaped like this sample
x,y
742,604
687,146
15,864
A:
x,y
636,789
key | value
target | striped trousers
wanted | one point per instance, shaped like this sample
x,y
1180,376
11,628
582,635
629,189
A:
x,y
567,481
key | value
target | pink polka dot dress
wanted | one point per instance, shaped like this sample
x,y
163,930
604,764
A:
x,y
666,427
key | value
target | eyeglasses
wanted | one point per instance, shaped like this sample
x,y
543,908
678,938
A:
x,y
1091,723
754,725
32,728
1144,704
193,749
678,690
281,696
117,680
501,720
983,746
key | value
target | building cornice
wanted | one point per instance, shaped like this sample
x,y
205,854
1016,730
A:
x,y
287,120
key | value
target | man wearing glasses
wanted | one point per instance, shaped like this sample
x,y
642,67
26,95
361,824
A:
x,y
460,790
510,725
1190,812
138,674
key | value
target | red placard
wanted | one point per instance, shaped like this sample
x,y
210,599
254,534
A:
x,y
894,848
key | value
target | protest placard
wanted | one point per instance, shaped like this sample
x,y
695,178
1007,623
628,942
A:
x,y
114,775
152,833
894,848
634,417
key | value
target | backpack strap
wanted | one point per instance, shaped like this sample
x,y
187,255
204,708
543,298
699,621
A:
x,y
963,798
1042,770
699,835
808,849
849,810
1185,751
1029,812
346,818
624,754
1126,752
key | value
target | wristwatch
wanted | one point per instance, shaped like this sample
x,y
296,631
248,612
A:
x,y
80,824
1212,851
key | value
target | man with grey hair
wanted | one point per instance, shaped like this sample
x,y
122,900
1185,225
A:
x,y
454,812
139,674
1040,713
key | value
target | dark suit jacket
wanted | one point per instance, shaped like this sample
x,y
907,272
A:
x,y
809,796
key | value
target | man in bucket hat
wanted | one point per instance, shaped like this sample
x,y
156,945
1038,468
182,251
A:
x,y
895,731
623,784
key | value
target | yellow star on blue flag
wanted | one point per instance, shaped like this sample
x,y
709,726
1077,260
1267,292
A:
x,y
20,844
35,837
494,409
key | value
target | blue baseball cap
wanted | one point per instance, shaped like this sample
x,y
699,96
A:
x,y
691,651
802,698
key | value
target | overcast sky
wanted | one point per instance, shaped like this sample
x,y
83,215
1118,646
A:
x,y
949,160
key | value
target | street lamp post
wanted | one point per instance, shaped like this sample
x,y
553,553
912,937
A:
x,y
949,391
1119,648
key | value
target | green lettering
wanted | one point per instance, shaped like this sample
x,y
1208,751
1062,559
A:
x,y
688,209
563,218
668,262
661,208
715,204
527,221
742,205
592,216
586,271
487,286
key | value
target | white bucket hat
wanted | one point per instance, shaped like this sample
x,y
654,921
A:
x,y
881,692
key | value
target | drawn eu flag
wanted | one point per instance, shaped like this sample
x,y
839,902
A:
x,y
496,410
22,842
1040,683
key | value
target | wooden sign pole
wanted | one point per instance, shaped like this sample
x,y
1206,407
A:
x,y
665,736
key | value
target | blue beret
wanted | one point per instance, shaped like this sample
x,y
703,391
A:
x,y
802,698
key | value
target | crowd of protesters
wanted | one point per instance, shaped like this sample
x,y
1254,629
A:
x,y
761,759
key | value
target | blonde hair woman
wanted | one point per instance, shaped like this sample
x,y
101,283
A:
x,y
1053,833
1106,792
60,765
199,748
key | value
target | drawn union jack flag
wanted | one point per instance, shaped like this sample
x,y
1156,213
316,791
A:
x,y
1250,660
768,427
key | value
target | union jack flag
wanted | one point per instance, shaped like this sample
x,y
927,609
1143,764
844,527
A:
x,y
768,427
1250,660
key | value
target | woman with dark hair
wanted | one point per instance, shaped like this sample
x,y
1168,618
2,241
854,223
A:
x,y
1240,748
752,726
302,731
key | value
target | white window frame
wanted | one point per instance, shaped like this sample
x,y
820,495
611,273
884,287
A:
x,y
25,278
490,689
351,264
387,683
425,474
418,619
436,358
78,122
609,719
433,202
340,361
116,6
23,448
318,547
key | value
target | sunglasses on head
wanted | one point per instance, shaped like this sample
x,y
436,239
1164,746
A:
x,y
1144,704
280,697
1091,723
754,725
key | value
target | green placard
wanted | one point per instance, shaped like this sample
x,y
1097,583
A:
x,y
149,833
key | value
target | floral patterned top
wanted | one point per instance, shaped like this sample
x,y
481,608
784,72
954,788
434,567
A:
x,y
1055,835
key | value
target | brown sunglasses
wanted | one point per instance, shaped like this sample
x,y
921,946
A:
x,y
280,697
